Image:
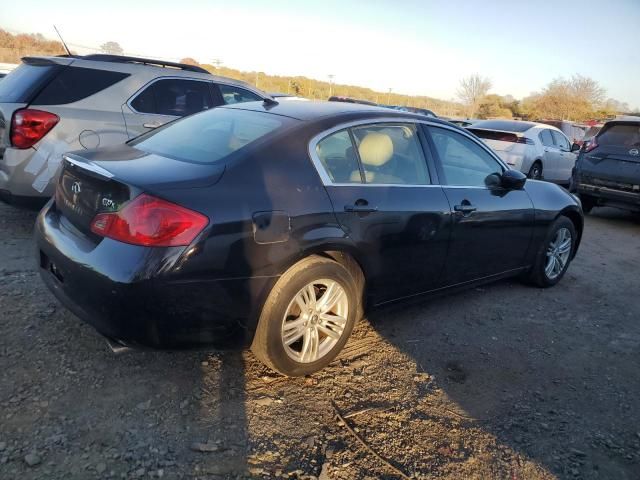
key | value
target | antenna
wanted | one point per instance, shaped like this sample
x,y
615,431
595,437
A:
x,y
63,44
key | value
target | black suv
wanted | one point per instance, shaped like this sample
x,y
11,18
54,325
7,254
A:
x,y
607,171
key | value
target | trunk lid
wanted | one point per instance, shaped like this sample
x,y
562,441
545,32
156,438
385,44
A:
x,y
103,180
615,162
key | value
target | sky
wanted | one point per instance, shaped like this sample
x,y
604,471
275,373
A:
x,y
416,47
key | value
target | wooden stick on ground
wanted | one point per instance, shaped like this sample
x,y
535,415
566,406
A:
x,y
365,445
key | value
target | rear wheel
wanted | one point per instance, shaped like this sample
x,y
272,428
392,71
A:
x,y
555,253
535,172
307,317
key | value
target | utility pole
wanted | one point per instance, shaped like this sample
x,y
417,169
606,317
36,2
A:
x,y
216,62
388,96
331,84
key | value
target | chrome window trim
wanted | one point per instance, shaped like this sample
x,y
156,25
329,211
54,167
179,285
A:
x,y
176,77
326,180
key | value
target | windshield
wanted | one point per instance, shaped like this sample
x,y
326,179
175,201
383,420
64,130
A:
x,y
210,136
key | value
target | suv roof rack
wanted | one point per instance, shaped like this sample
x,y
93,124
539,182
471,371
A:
x,y
146,61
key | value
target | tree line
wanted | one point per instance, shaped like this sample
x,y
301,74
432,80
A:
x,y
577,98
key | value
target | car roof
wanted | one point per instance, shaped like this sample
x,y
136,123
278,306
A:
x,y
130,64
318,109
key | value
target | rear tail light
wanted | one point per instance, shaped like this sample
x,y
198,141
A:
x,y
591,144
29,126
151,222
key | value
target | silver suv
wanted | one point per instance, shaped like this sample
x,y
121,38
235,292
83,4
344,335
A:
x,y
52,105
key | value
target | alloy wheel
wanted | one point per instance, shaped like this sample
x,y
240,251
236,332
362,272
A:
x,y
315,320
558,253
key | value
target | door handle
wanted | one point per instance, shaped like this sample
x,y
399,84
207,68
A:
x,y
152,124
465,208
360,206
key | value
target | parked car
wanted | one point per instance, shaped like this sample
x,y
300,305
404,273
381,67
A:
x,y
273,225
421,111
335,98
286,97
461,122
541,151
608,169
51,105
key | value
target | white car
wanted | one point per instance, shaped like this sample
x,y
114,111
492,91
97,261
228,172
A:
x,y
540,151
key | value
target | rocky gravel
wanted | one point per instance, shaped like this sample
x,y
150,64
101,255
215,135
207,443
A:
x,y
504,381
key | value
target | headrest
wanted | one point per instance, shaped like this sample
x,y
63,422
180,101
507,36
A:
x,y
375,149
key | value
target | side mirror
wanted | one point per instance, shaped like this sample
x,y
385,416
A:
x,y
575,147
513,179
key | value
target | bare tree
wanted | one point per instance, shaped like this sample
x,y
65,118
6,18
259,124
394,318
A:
x,y
472,90
112,48
587,89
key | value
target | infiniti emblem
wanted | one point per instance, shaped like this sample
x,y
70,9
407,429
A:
x,y
634,151
76,188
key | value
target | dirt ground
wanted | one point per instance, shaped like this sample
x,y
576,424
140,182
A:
x,y
504,381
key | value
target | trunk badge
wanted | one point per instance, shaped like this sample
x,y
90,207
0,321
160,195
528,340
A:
x,y
634,151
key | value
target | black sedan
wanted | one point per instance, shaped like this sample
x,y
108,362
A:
x,y
273,226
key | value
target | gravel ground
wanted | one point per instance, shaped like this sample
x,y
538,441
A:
x,y
504,381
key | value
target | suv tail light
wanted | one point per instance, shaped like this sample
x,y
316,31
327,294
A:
x,y
151,222
29,126
591,144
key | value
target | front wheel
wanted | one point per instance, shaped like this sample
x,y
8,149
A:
x,y
307,317
555,253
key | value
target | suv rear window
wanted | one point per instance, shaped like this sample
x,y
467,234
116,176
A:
x,y
627,135
25,81
76,83
209,136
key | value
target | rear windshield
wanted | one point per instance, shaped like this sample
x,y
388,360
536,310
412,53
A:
x,y
76,83
625,135
209,136
506,125
492,135
24,82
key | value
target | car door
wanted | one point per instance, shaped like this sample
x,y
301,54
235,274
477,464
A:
x,y
491,226
566,158
385,199
165,100
551,155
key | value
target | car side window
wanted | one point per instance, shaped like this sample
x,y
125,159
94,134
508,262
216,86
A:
x,y
232,95
464,162
561,141
338,158
391,154
175,97
546,138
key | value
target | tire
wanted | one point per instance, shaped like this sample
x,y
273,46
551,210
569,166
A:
x,y
535,172
588,203
283,318
539,275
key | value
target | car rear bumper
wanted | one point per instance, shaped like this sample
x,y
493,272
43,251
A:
x,y
611,195
21,171
129,294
